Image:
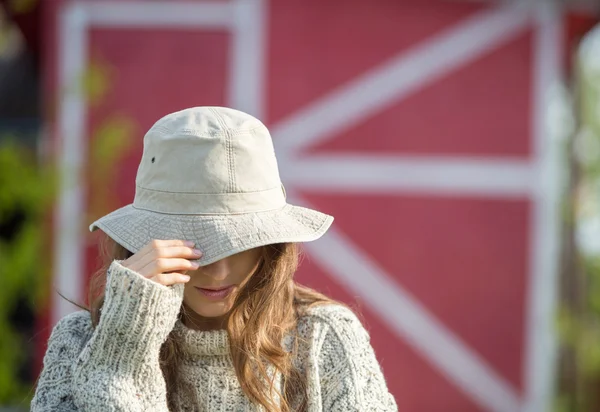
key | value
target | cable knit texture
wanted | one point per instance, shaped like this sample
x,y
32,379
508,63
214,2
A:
x,y
115,367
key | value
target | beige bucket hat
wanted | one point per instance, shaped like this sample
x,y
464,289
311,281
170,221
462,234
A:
x,y
209,174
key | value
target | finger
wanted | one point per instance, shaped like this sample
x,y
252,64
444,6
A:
x,y
163,265
162,248
170,278
177,252
160,243
166,253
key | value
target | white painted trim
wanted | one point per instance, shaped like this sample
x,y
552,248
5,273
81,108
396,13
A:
x,y
455,176
68,239
172,14
541,344
404,74
408,319
246,77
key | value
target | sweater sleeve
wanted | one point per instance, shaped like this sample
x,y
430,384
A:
x,y
118,368
69,336
351,377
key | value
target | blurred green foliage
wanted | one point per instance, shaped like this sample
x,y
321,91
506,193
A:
x,y
111,141
27,189
579,315
21,6
95,81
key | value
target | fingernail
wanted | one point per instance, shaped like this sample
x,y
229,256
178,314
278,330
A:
x,y
186,278
189,243
197,252
196,265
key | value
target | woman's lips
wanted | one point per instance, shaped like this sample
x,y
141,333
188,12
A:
x,y
215,294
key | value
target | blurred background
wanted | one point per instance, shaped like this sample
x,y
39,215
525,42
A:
x,y
457,143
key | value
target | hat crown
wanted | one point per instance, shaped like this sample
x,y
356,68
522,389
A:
x,y
206,160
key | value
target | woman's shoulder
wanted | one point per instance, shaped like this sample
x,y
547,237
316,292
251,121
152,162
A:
x,y
340,360
75,328
333,319
330,313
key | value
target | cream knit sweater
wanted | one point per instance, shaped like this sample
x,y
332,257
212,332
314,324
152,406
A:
x,y
114,367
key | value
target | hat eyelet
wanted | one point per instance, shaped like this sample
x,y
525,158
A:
x,y
153,159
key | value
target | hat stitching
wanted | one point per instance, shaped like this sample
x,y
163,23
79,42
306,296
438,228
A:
x,y
233,132
232,157
219,221
229,214
287,210
293,214
232,182
202,133
228,147
181,232
187,132
237,249
221,216
199,193
284,237
206,216
236,235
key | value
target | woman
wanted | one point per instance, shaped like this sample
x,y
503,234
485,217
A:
x,y
196,308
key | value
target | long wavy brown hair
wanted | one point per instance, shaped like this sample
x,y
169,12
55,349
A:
x,y
265,310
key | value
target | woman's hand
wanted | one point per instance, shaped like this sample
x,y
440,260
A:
x,y
165,261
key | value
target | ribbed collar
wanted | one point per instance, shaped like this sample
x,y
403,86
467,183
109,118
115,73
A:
x,y
212,342
202,343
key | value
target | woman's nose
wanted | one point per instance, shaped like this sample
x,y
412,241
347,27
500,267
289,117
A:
x,y
218,270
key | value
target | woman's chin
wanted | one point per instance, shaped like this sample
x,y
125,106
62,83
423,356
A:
x,y
212,312
209,309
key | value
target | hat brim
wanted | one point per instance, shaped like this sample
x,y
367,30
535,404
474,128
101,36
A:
x,y
217,236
